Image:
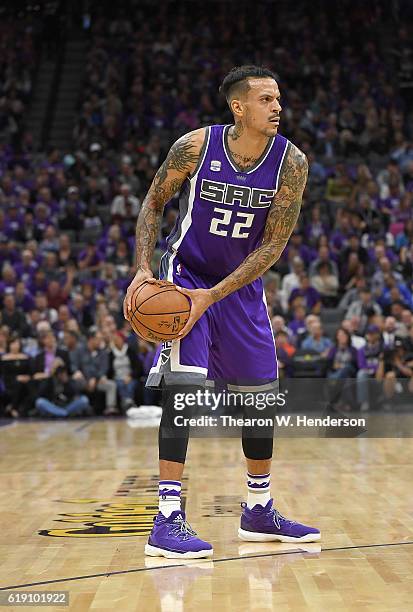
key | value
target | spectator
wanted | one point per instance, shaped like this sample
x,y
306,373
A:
x,y
385,269
94,368
297,325
12,316
306,295
317,342
23,297
65,255
125,368
364,308
44,363
125,204
90,259
70,219
395,367
326,283
342,365
291,280
75,347
368,361
41,305
352,294
121,258
324,257
58,394
342,356
15,373
352,325
278,325
27,267
4,339
285,353
81,312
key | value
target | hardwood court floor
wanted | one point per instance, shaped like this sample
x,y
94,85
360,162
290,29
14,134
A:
x,y
77,497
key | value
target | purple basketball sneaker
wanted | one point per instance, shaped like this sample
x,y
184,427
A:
x,y
173,538
266,524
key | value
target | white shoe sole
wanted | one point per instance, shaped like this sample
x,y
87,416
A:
x,y
254,536
153,551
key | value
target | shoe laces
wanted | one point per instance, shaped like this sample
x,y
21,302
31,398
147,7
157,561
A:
x,y
276,516
182,528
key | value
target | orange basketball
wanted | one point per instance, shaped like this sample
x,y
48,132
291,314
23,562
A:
x,y
158,311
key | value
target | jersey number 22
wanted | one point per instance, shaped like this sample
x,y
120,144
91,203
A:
x,y
218,225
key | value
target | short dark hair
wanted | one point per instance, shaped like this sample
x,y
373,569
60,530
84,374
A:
x,y
237,79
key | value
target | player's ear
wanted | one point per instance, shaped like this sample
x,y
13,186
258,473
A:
x,y
237,109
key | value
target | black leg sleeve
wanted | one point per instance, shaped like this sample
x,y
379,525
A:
x,y
258,438
173,438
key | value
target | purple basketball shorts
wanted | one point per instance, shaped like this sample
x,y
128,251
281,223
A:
x,y
232,343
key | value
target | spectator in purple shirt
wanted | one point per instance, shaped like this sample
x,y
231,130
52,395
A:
x,y
341,235
14,221
306,295
24,299
90,258
27,267
306,253
297,325
38,282
107,244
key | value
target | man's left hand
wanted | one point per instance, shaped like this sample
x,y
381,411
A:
x,y
201,299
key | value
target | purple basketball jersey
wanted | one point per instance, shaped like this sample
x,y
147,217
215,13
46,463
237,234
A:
x,y
222,209
223,212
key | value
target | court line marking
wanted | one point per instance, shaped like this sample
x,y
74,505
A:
x,y
197,561
82,427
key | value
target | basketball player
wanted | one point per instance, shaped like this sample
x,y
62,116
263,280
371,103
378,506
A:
x,y
240,190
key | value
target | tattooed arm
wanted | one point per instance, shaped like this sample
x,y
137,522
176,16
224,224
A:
x,y
180,162
281,220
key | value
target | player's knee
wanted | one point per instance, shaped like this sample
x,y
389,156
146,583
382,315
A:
x,y
257,448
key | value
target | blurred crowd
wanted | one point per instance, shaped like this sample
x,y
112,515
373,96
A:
x,y
20,52
340,298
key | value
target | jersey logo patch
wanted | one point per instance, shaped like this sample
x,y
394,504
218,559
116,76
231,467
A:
x,y
165,352
215,165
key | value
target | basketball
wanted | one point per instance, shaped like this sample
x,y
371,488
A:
x,y
158,311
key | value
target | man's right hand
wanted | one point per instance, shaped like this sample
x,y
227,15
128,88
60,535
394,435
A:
x,y
140,277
